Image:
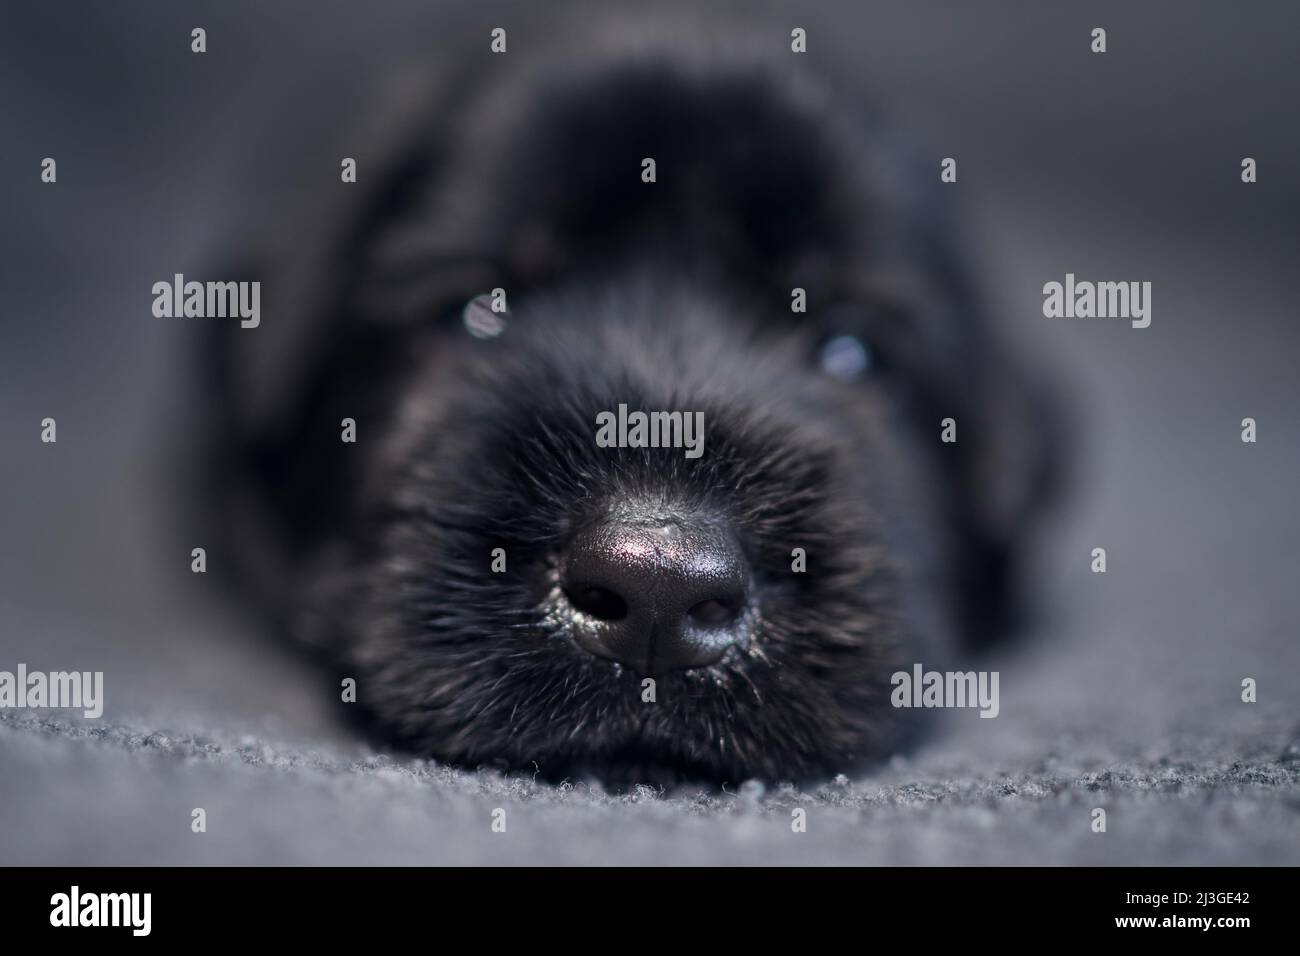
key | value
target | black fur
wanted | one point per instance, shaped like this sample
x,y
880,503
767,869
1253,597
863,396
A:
x,y
524,173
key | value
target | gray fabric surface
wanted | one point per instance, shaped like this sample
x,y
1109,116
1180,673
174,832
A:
x,y
116,795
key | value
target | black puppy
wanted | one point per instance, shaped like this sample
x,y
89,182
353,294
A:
x,y
505,586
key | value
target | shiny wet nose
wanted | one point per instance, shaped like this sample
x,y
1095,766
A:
x,y
657,596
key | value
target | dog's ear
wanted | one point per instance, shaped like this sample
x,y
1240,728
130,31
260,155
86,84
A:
x,y
1010,474
334,322
313,246
1001,466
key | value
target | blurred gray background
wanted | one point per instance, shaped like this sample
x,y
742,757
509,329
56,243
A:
x,y
1120,166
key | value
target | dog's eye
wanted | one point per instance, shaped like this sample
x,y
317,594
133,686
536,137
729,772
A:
x,y
481,319
854,341
846,357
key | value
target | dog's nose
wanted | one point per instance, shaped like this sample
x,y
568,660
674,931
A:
x,y
657,596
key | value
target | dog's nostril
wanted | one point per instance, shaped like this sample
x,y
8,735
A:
x,y
657,595
600,603
713,613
